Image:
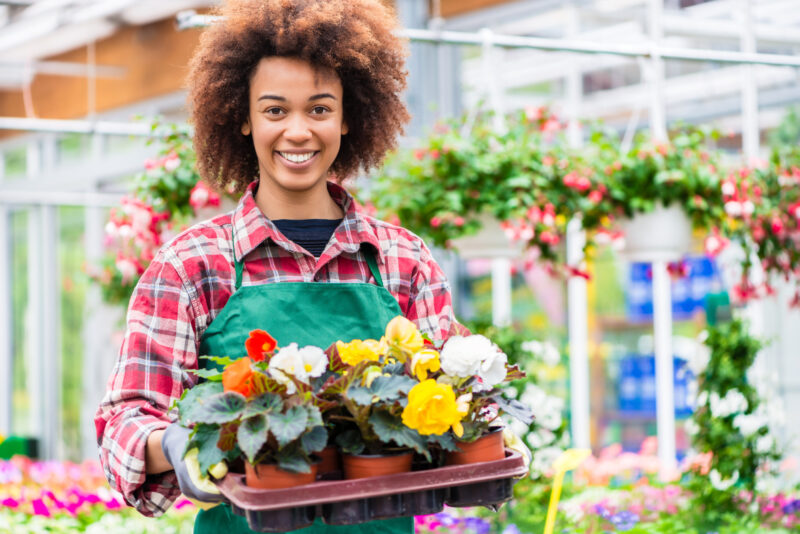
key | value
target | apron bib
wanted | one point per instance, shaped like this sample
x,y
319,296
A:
x,y
307,313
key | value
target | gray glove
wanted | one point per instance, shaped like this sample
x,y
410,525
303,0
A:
x,y
193,485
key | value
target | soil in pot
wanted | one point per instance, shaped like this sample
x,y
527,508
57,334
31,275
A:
x,y
375,465
486,448
270,476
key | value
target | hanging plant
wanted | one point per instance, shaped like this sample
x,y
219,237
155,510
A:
x,y
167,195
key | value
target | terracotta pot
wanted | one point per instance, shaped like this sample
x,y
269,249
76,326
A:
x,y
270,476
375,465
486,448
330,461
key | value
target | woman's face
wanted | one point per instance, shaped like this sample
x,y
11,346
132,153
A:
x,y
296,120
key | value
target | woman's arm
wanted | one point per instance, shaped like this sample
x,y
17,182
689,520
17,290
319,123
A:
x,y
150,373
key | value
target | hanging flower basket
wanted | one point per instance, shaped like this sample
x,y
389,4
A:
x,y
664,234
490,241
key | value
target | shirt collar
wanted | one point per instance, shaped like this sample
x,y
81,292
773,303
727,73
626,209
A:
x,y
251,227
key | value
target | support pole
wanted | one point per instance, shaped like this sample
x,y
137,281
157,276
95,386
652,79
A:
x,y
665,381
662,298
578,340
577,305
49,329
501,291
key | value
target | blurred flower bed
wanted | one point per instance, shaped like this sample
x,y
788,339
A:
x,y
63,497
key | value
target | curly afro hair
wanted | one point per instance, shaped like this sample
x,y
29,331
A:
x,y
353,37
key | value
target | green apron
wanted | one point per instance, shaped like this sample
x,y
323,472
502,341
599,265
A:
x,y
307,313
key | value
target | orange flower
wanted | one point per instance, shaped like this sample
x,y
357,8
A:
x,y
238,377
258,343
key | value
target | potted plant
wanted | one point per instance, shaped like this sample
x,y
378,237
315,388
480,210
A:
x,y
657,191
373,380
260,408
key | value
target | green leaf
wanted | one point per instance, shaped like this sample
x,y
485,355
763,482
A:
x,y
193,398
360,395
389,388
390,428
205,438
219,360
315,440
252,435
293,461
222,408
350,442
288,426
445,441
213,375
263,404
514,408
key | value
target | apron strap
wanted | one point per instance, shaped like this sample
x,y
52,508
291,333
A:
x,y
239,269
373,266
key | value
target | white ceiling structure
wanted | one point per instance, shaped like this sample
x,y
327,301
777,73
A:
x,y
33,30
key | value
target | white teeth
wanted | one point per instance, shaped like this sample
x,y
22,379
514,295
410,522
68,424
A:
x,y
297,158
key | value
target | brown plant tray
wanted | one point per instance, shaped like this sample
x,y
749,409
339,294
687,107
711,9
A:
x,y
349,502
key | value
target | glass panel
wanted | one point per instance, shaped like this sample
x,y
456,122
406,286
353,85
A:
x,y
73,284
21,405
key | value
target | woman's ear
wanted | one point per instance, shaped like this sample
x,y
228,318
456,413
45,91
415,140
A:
x,y
345,129
246,127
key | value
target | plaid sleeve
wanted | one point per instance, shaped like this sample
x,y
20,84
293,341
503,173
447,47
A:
x,y
159,344
430,302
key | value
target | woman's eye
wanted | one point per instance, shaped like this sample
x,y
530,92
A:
x,y
318,110
273,111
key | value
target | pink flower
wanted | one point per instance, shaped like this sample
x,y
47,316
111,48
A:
x,y
419,154
435,154
436,222
458,221
40,508
595,196
203,196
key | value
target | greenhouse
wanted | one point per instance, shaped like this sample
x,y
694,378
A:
x,y
568,228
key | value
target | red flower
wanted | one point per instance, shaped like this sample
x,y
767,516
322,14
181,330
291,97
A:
x,y
238,377
258,344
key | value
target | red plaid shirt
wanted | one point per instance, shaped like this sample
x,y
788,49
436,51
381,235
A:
x,y
188,284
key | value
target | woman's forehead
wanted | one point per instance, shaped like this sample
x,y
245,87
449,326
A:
x,y
293,74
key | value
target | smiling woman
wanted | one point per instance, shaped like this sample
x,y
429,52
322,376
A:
x,y
288,98
296,121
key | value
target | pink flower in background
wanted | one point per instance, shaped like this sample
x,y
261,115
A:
x,y
203,196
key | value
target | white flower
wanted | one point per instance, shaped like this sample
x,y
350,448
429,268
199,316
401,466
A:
x,y
733,402
748,207
702,398
127,269
722,484
111,229
764,444
302,363
471,356
549,415
493,369
546,351
543,460
733,208
699,359
749,424
533,396
691,427
728,188
540,438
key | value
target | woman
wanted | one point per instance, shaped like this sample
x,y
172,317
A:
x,y
288,98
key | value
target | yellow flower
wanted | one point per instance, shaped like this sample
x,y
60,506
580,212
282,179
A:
x,y
357,351
432,409
403,335
424,362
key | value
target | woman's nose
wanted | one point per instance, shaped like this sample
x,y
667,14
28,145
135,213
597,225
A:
x,y
297,129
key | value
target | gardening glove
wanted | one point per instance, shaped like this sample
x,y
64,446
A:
x,y
513,442
197,488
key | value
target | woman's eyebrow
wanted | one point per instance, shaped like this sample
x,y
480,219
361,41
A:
x,y
271,97
321,95
283,99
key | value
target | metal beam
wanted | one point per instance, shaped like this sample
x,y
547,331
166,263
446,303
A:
x,y
6,330
84,127
56,198
190,19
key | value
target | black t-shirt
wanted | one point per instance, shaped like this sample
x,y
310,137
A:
x,y
311,234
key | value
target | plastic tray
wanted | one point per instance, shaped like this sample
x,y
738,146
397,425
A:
x,y
349,502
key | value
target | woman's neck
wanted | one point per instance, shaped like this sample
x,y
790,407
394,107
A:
x,y
278,203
